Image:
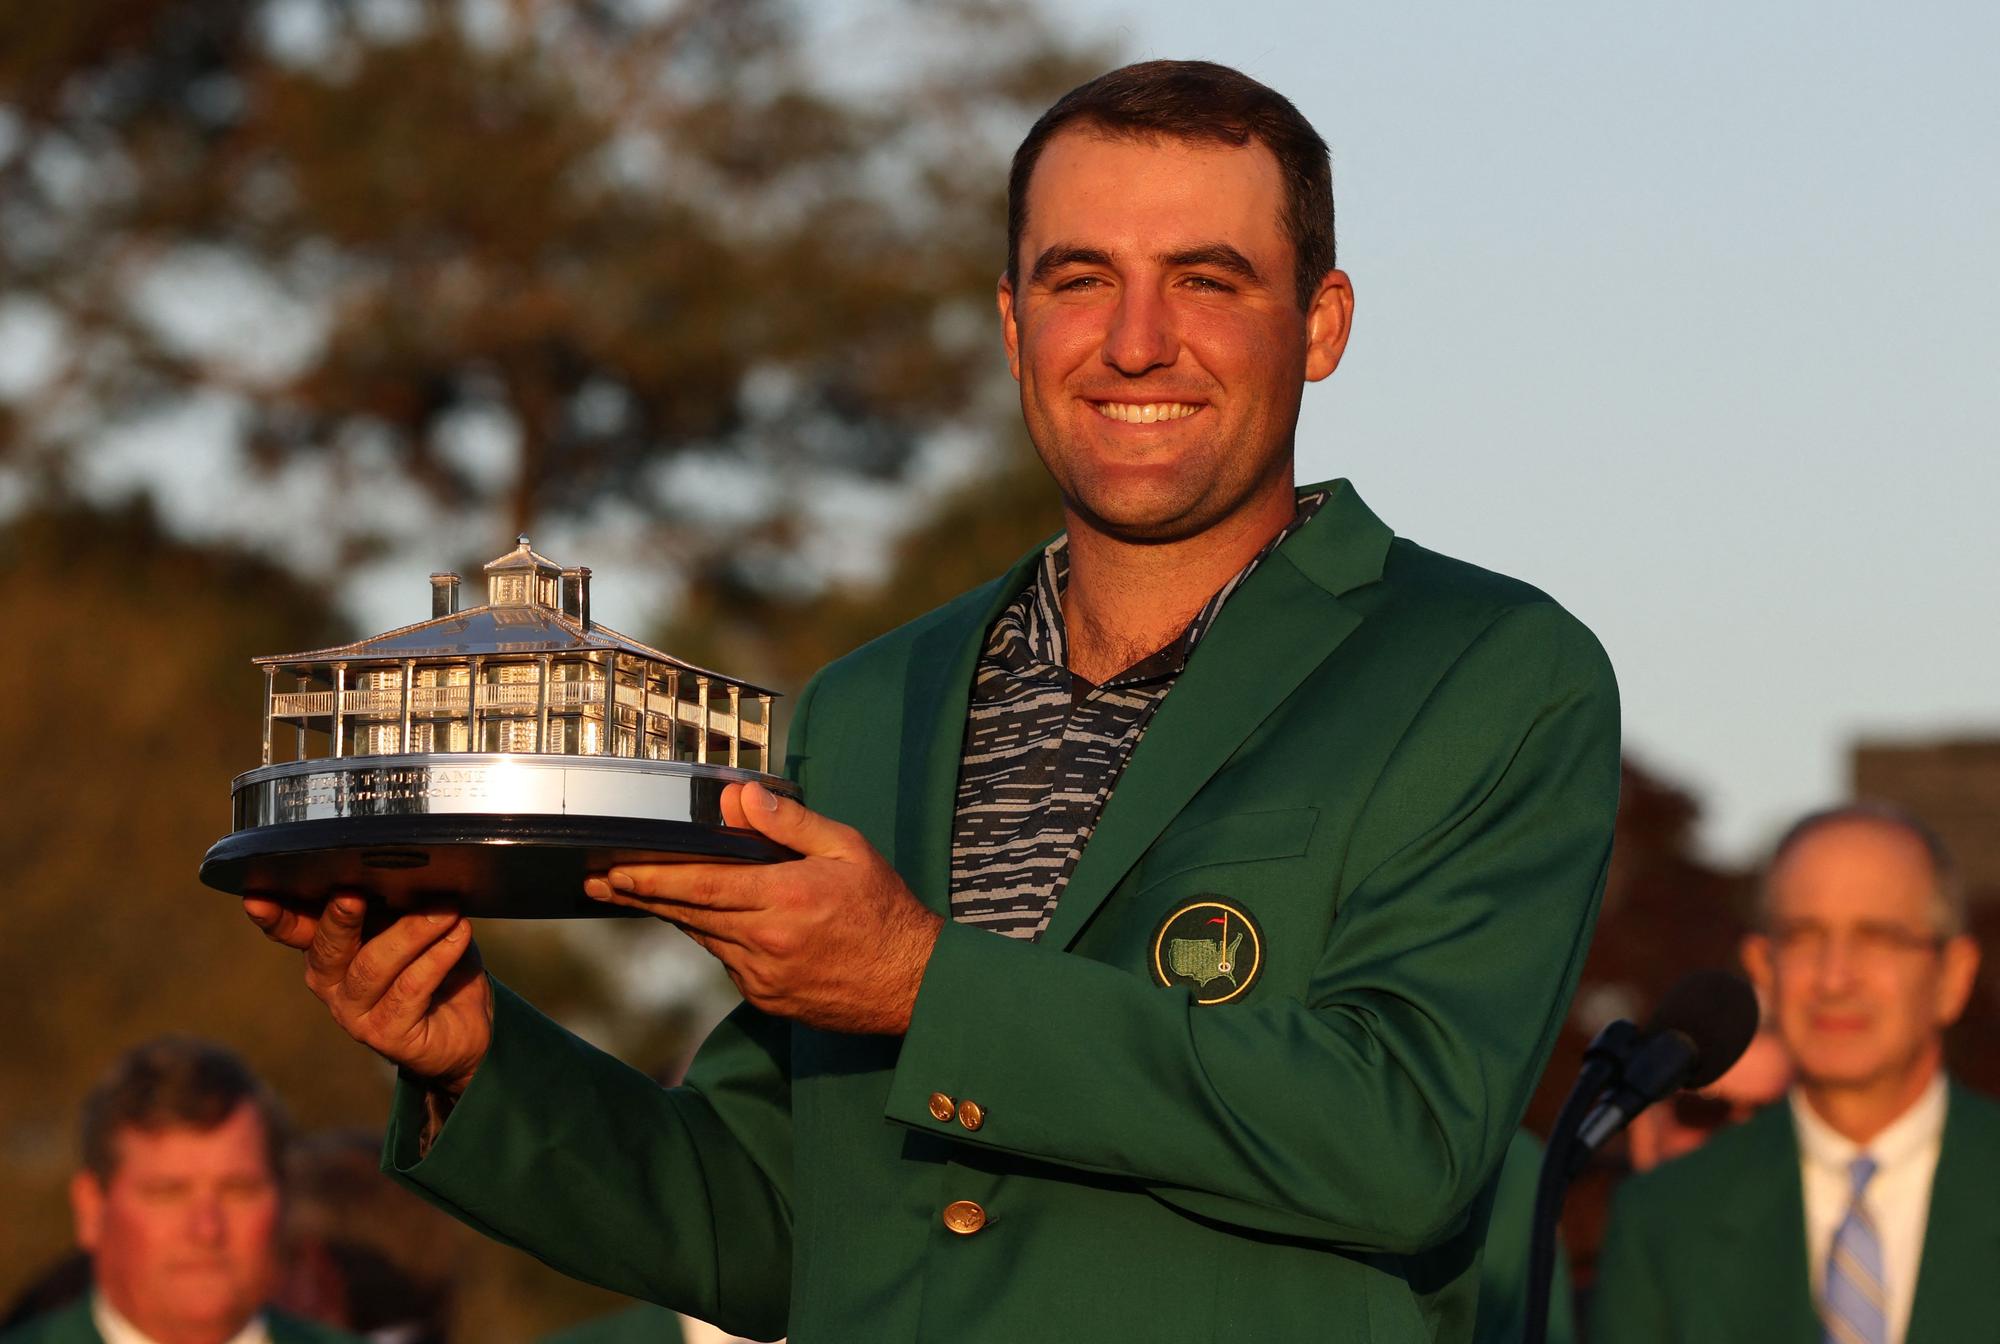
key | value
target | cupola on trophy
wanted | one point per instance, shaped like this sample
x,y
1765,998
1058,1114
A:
x,y
491,757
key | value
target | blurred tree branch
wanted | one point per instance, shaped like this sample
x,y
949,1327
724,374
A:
x,y
620,232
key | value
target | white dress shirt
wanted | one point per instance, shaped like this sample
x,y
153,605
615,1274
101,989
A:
x,y
115,1329
1898,1196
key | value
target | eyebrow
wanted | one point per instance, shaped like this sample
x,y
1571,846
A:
x,y
1064,254
1219,256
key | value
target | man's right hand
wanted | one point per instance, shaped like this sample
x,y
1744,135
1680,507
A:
x,y
414,992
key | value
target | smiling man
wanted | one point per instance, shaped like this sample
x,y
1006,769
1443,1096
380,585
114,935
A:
x,y
1862,1211
1182,918
178,1205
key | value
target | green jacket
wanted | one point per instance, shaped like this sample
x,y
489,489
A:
x,y
1712,1246
1403,768
72,1325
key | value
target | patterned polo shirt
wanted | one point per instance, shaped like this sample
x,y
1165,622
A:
x,y
1044,747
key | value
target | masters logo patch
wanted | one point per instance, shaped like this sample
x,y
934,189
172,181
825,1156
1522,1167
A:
x,y
1211,946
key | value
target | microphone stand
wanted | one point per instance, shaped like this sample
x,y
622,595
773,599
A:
x,y
1603,1066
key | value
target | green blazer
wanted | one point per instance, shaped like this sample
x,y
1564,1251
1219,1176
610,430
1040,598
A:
x,y
1712,1246
1403,768
72,1325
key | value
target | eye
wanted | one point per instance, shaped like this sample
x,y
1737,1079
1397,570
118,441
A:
x,y
1208,284
1076,282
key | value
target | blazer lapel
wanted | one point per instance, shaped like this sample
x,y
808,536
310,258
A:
x,y
1962,1235
1762,1282
1284,622
937,692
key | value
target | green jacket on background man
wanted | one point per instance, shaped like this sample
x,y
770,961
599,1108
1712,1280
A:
x,y
1711,1247
73,1325
1401,768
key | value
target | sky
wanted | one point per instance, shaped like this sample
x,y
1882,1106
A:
x,y
1685,314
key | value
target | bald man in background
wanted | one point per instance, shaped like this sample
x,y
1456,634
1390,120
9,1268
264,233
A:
x,y
1863,1211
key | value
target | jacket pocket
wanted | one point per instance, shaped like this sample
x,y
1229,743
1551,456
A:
x,y
1239,837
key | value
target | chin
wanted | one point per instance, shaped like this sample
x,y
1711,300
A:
x,y
1841,1068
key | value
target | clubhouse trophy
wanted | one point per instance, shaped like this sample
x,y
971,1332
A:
x,y
491,757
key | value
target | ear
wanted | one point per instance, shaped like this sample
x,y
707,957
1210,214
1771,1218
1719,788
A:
x,y
1756,953
1010,333
1329,319
86,1209
1954,985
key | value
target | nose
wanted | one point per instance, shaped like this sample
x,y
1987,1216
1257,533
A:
x,y
1836,966
1142,335
205,1224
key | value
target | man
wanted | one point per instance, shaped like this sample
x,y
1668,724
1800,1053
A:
x,y
178,1205
1862,1212
1183,917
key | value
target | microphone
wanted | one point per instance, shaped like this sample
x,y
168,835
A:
x,y
1703,1025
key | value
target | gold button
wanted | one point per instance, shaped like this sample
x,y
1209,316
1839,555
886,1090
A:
x,y
940,1107
971,1114
964,1217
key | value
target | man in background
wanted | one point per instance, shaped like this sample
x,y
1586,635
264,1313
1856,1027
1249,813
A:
x,y
178,1205
1862,1212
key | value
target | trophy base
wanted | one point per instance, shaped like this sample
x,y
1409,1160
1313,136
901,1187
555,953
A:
x,y
509,867
486,835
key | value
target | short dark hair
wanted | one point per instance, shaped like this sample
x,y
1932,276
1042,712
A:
x,y
174,1082
1196,100
1948,892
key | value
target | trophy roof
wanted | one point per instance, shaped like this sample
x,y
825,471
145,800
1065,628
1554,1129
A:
x,y
496,630
523,556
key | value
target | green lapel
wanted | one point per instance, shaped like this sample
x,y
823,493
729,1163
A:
x,y
1759,1257
1273,632
1962,1236
937,691
68,1325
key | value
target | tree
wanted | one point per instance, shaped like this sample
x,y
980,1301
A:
x,y
522,261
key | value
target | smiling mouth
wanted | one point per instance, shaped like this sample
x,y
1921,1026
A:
x,y
1145,413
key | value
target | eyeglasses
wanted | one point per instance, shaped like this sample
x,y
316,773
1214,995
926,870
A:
x,y
1805,941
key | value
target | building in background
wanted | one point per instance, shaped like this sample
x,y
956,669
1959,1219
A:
x,y
1954,785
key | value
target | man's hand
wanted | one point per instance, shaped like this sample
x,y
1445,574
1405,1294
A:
x,y
832,939
415,993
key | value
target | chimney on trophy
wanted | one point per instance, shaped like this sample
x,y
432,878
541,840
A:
x,y
444,595
576,594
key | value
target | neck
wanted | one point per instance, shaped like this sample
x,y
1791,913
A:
x,y
1859,1113
1125,599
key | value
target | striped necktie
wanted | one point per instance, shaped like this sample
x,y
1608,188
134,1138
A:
x,y
1855,1307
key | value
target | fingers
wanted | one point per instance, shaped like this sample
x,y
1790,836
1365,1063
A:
x,y
408,997
336,938
732,807
353,977
281,923
796,826
716,914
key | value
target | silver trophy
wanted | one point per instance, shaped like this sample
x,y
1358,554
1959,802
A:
x,y
491,757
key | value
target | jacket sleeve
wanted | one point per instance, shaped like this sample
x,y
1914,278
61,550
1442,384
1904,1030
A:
x,y
1370,1111
681,1196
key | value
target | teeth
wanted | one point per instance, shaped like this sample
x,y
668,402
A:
x,y
1133,413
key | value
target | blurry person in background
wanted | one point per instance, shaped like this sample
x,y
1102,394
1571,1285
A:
x,y
178,1205
1687,1120
1862,1212
361,1252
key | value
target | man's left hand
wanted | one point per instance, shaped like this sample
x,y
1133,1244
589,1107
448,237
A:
x,y
832,939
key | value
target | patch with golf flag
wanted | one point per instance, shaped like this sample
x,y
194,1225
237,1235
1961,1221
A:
x,y
1210,945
